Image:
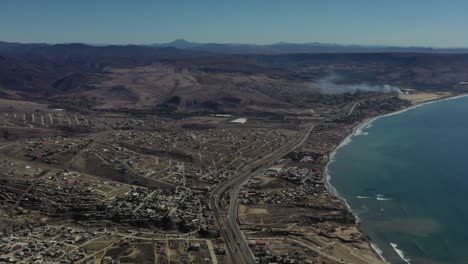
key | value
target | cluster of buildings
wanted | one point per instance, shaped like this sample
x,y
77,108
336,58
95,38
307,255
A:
x,y
303,184
40,243
181,209
264,255
69,196
52,150
294,175
204,157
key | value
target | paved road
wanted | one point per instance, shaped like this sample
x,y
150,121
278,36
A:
x,y
351,110
227,220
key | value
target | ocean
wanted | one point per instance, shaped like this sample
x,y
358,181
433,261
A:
x,y
405,176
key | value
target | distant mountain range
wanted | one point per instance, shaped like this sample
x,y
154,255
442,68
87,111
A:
x,y
289,48
90,50
217,48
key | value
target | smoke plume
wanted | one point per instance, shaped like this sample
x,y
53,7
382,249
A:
x,y
329,85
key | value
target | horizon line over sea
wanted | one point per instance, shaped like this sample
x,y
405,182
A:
x,y
390,169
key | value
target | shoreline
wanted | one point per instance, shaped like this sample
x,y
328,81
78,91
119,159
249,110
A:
x,y
357,130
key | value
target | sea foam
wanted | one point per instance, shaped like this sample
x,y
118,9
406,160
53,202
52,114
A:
x,y
383,199
362,197
400,253
378,251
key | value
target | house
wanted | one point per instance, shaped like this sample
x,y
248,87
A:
x,y
274,170
195,246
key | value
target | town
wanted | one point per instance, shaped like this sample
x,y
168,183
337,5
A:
x,y
139,188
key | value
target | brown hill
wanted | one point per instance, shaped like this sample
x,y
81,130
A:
x,y
164,85
169,79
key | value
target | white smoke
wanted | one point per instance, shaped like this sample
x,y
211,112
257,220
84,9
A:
x,y
329,85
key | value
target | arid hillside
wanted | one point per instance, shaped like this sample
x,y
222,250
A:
x,y
166,79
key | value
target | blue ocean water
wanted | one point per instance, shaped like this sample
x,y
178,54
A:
x,y
406,178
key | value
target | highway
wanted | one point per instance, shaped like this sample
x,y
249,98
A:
x,y
227,220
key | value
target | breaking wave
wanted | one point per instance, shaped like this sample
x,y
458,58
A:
x,y
400,253
381,197
362,197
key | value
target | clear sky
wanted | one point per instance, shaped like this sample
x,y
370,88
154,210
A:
x,y
437,23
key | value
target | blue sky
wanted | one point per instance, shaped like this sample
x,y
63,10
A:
x,y
381,22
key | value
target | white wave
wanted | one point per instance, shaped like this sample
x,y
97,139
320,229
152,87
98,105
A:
x,y
400,253
383,199
378,251
346,141
360,132
330,187
362,197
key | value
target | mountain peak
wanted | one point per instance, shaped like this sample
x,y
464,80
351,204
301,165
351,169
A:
x,y
180,44
179,41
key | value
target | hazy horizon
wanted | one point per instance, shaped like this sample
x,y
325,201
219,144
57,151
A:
x,y
363,22
238,43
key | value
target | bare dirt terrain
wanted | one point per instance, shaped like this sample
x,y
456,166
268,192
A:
x,y
424,97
